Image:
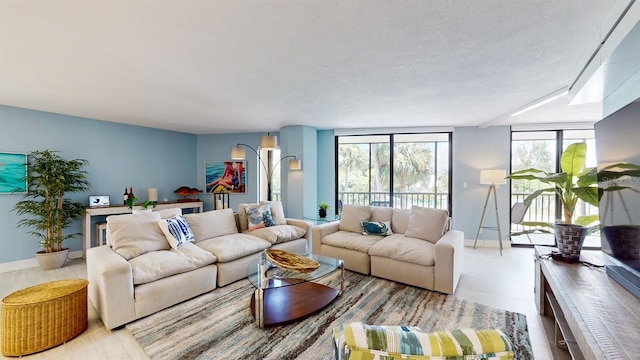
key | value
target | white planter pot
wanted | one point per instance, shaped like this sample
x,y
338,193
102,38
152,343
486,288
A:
x,y
52,260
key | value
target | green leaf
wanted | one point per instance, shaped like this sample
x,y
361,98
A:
x,y
587,220
529,199
573,158
588,177
587,194
537,224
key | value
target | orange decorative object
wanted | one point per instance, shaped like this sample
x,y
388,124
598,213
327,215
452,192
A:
x,y
185,191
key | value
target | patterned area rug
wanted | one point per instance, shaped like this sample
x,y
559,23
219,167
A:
x,y
219,324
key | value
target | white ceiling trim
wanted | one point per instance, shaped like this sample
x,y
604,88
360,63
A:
x,y
399,130
542,127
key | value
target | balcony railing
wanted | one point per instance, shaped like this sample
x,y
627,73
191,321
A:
x,y
542,209
402,200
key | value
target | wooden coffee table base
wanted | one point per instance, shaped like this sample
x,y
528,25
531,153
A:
x,y
287,304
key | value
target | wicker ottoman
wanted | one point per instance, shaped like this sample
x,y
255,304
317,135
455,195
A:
x,y
43,316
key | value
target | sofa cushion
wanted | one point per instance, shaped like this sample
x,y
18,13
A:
x,y
279,233
210,224
405,249
277,212
259,216
381,214
427,224
351,217
169,213
242,216
176,230
160,264
231,247
132,235
351,240
400,220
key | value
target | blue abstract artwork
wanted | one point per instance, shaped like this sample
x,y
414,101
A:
x,y
13,171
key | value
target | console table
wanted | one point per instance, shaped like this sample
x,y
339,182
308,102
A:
x,y
597,318
114,210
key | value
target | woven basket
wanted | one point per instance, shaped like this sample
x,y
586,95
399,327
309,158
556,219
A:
x,y
43,316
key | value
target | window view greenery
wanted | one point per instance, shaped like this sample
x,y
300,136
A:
x,y
416,172
539,150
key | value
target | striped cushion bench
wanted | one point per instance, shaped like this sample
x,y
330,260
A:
x,y
358,341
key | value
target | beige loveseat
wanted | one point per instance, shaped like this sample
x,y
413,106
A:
x,y
420,249
139,273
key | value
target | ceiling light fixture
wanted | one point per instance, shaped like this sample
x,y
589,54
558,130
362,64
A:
x,y
545,100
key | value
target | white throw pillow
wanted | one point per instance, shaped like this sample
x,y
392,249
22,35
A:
x,y
427,224
381,214
169,213
210,224
400,220
351,217
280,233
177,231
132,235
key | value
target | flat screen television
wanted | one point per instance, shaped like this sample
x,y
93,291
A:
x,y
618,141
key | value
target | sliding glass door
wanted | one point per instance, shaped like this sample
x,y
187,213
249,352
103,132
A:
x,y
542,150
416,172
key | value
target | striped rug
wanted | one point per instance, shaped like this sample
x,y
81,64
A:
x,y
219,324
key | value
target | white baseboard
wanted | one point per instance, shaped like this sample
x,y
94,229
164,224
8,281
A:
x,y
30,263
488,243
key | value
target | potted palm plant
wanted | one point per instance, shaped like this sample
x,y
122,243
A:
x,y
50,177
575,182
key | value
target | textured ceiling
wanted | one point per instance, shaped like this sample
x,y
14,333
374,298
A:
x,y
236,66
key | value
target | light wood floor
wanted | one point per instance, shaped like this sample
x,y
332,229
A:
x,y
504,282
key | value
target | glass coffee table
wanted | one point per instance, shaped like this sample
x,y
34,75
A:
x,y
284,296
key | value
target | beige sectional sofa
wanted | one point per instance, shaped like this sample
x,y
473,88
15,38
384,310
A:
x,y
139,272
419,249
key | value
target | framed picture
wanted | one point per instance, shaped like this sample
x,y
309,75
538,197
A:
x,y
225,176
13,172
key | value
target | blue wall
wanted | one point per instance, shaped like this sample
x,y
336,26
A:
x,y
327,169
119,156
122,155
218,148
476,149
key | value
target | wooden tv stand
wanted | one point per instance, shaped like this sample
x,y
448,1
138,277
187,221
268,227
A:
x,y
594,315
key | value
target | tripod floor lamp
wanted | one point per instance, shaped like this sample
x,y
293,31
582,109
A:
x,y
493,178
267,142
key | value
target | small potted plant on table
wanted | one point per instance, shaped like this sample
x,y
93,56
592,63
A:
x,y
322,209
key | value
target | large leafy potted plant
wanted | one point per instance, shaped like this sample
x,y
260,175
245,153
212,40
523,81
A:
x,y
575,182
50,177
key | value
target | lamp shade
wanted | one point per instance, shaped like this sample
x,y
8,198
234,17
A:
x,y
268,142
237,153
493,176
295,164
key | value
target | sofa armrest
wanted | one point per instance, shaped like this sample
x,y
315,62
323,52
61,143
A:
x,y
304,224
320,231
449,256
110,286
